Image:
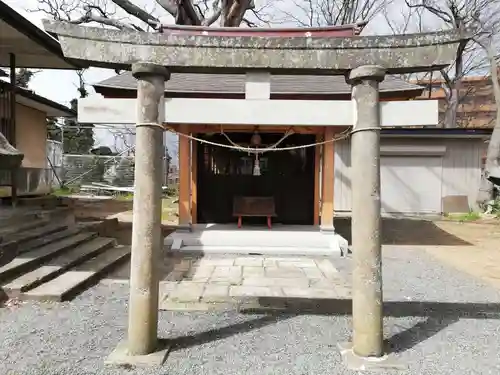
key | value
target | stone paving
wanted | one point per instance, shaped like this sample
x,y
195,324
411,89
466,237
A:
x,y
211,281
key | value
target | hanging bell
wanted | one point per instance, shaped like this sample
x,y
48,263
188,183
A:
x,y
255,140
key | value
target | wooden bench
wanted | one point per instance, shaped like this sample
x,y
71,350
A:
x,y
254,207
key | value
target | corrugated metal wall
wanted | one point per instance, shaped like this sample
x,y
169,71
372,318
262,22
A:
x,y
461,166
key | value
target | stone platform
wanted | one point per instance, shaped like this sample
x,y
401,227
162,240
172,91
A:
x,y
214,282
257,240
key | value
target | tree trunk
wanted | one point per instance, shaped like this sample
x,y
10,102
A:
x,y
450,116
491,167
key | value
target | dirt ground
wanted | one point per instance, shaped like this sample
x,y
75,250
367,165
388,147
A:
x,y
481,258
471,247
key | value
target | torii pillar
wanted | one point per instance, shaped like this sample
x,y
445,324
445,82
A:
x,y
367,348
142,345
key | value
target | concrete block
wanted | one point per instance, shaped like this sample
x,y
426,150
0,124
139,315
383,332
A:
x,y
324,293
313,273
200,272
284,272
224,272
120,356
298,292
183,265
328,269
299,263
339,245
270,262
268,281
187,291
175,276
249,261
253,271
176,244
216,293
165,288
357,363
216,262
255,291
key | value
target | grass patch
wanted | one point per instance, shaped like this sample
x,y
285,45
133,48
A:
x,y
124,197
466,217
169,209
64,191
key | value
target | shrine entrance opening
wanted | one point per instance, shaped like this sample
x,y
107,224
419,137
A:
x,y
286,176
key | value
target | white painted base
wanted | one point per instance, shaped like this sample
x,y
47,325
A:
x,y
281,240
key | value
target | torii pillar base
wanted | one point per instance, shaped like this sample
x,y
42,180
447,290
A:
x,y
121,356
354,362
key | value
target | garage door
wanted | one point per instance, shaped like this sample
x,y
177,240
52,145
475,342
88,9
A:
x,y
411,184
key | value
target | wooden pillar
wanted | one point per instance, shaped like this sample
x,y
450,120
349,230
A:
x,y
184,177
317,180
327,180
194,180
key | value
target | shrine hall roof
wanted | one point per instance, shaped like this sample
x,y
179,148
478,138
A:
x,y
235,84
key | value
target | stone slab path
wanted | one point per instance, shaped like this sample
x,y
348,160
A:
x,y
214,282
211,281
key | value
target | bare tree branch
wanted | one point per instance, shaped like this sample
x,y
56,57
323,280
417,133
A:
x,y
217,11
137,12
90,17
429,6
170,6
185,12
459,14
314,13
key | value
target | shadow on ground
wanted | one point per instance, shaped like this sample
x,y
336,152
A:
x,y
436,317
403,231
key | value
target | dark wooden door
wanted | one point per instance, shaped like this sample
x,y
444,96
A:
x,y
288,176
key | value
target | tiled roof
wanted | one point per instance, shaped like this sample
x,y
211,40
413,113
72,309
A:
x,y
235,83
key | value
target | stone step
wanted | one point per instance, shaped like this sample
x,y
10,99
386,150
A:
x,y
253,237
48,239
16,218
13,229
20,218
13,237
260,250
70,283
24,236
45,201
58,265
32,259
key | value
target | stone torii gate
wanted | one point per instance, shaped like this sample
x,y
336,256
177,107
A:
x,y
363,60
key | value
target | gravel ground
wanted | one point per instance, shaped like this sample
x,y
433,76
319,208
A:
x,y
74,338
